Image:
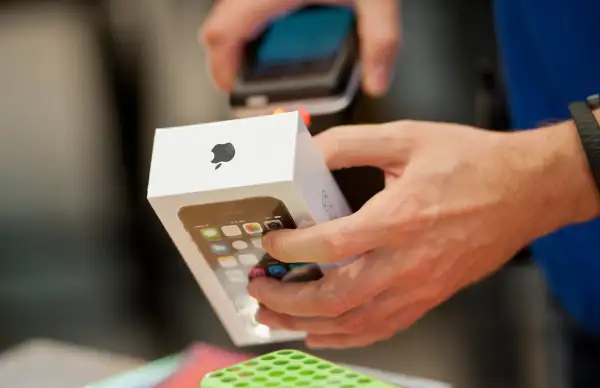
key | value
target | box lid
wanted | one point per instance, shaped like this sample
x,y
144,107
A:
x,y
226,154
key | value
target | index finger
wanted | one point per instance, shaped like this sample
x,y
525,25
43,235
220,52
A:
x,y
329,241
377,145
338,239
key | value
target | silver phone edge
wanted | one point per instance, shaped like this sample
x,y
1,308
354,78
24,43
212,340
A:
x,y
315,106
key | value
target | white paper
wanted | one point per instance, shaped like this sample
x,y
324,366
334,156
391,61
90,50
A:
x,y
401,380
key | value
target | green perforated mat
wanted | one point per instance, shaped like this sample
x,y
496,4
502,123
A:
x,y
288,369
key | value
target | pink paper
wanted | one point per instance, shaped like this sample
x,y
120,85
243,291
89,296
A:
x,y
202,359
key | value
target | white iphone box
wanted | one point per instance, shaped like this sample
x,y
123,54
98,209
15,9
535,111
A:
x,y
218,188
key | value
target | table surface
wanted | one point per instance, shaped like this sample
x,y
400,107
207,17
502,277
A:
x,y
48,364
41,363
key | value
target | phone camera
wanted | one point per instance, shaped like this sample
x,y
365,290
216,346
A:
x,y
274,225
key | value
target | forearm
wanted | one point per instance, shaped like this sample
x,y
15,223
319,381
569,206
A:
x,y
566,186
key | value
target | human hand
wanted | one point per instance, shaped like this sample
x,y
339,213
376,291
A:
x,y
457,204
233,22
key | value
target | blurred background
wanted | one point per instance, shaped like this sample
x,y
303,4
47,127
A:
x,y
83,85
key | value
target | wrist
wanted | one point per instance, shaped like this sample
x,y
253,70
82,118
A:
x,y
565,187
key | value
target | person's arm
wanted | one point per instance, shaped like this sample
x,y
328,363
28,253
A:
x,y
561,167
458,203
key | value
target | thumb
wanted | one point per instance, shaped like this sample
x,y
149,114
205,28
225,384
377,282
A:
x,y
326,242
379,32
334,240
229,26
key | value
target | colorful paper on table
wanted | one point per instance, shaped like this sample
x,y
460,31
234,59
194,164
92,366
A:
x,y
190,367
200,360
143,377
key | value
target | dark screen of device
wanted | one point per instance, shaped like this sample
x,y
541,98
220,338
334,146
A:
x,y
307,35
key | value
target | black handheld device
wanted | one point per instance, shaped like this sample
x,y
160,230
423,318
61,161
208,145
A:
x,y
308,58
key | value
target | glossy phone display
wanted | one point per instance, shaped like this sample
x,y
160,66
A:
x,y
306,58
229,236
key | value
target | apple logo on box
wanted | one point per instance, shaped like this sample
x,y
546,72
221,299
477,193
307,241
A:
x,y
222,153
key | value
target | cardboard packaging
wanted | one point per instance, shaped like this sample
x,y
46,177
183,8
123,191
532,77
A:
x,y
217,188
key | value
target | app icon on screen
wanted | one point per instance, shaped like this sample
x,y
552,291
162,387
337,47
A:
x,y
210,233
236,276
248,259
274,224
257,272
240,245
253,228
227,261
257,242
277,270
219,248
231,230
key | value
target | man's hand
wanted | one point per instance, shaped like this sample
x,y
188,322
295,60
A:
x,y
233,22
458,203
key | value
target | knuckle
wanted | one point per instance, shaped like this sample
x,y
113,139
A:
x,y
387,43
334,306
351,323
210,33
334,138
335,244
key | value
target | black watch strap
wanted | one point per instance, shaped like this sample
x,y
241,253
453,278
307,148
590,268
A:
x,y
589,132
